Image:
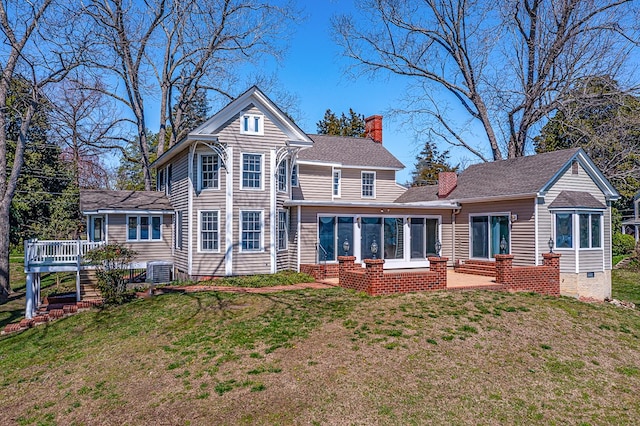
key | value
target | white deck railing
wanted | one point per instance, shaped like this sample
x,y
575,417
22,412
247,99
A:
x,y
52,252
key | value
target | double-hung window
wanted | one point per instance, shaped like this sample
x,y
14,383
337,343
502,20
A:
x,y
590,230
337,184
209,231
209,171
282,176
283,225
142,228
368,184
251,171
251,230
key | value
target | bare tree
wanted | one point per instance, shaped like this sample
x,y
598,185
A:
x,y
85,125
506,65
188,46
38,46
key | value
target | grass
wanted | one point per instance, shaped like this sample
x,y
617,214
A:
x,y
260,280
626,284
312,356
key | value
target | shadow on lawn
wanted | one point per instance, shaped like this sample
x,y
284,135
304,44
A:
x,y
12,310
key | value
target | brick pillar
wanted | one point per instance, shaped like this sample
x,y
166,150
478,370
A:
x,y
553,260
374,275
439,266
504,269
346,263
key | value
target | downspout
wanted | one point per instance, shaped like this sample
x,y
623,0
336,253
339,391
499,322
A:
x,y
454,213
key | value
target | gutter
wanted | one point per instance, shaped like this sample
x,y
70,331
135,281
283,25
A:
x,y
426,205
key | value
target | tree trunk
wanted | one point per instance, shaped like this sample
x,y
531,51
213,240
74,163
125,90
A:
x,y
5,283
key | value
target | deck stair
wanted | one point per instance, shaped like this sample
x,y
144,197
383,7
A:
x,y
89,285
477,267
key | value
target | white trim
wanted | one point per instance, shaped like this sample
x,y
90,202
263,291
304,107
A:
x,y
261,211
287,177
386,205
106,229
362,184
333,174
190,189
199,237
199,164
272,210
228,238
262,172
536,233
131,212
345,166
298,237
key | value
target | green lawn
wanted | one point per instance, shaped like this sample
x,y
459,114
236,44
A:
x,y
626,285
328,357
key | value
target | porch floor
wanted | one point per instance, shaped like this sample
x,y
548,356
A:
x,y
455,280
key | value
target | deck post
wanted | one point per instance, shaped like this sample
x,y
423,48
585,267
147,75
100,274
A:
x,y
29,305
78,257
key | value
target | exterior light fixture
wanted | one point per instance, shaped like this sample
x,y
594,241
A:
x,y
345,247
550,245
374,248
438,247
503,245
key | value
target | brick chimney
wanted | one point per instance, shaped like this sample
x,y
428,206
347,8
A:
x,y
373,128
447,182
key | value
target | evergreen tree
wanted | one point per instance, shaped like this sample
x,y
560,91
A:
x,y
429,164
351,125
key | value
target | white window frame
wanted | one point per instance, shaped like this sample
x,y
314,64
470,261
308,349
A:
x,y
336,192
217,231
250,128
200,171
362,173
295,184
241,228
575,229
138,228
178,233
489,215
283,179
285,230
251,188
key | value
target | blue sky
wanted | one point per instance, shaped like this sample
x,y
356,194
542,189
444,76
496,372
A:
x,y
314,71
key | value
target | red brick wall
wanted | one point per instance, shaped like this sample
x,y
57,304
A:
x,y
543,279
375,281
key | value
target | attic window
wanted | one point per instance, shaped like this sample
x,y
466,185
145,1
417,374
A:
x,y
574,167
251,124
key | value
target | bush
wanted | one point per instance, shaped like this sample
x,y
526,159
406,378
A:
x,y
112,262
622,244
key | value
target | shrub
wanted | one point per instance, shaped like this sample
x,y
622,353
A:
x,y
112,262
622,244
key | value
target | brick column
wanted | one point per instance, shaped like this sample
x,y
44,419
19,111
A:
x,y
374,275
346,263
504,269
551,259
439,266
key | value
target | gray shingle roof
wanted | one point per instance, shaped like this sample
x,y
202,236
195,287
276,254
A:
x,y
522,175
123,200
419,193
576,199
349,151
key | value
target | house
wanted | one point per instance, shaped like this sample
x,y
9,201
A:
x,y
249,192
632,226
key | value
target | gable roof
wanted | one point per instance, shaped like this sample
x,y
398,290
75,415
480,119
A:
x,y
207,131
349,151
576,199
521,176
103,201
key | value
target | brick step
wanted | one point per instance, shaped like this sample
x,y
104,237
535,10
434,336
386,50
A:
x,y
478,267
480,263
475,271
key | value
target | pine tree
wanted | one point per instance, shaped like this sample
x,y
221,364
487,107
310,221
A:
x,y
429,164
351,125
